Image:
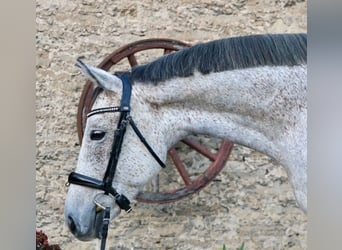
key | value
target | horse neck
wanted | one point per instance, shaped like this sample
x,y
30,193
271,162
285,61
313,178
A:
x,y
255,107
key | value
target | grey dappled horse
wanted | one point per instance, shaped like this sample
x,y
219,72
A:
x,y
250,90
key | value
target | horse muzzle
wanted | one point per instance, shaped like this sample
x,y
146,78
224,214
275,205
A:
x,y
86,228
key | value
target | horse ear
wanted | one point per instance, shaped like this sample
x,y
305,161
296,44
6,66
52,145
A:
x,y
101,77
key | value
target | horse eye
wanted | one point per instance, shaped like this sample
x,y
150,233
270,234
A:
x,y
97,135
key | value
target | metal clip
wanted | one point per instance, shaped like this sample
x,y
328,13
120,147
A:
x,y
104,200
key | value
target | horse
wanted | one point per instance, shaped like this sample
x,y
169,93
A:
x,y
250,90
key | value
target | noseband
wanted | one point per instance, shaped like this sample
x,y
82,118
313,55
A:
x,y
110,194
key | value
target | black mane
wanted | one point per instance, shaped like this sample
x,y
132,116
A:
x,y
226,54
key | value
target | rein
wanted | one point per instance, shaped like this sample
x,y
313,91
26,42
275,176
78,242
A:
x,y
110,196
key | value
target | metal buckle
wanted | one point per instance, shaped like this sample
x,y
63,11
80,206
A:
x,y
104,200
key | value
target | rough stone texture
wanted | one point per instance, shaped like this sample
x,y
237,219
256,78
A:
x,y
250,201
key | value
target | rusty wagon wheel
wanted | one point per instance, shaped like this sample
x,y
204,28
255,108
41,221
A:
x,y
189,184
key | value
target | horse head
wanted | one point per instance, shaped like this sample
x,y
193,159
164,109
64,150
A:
x,y
137,162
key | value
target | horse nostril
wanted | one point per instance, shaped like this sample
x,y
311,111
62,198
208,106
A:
x,y
72,225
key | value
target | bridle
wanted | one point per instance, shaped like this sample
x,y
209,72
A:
x,y
106,200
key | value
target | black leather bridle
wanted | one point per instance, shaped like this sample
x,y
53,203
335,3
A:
x,y
106,184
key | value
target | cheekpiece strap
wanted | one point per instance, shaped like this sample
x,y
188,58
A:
x,y
126,92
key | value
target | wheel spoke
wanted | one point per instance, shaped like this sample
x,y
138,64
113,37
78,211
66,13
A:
x,y
132,60
200,148
180,167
